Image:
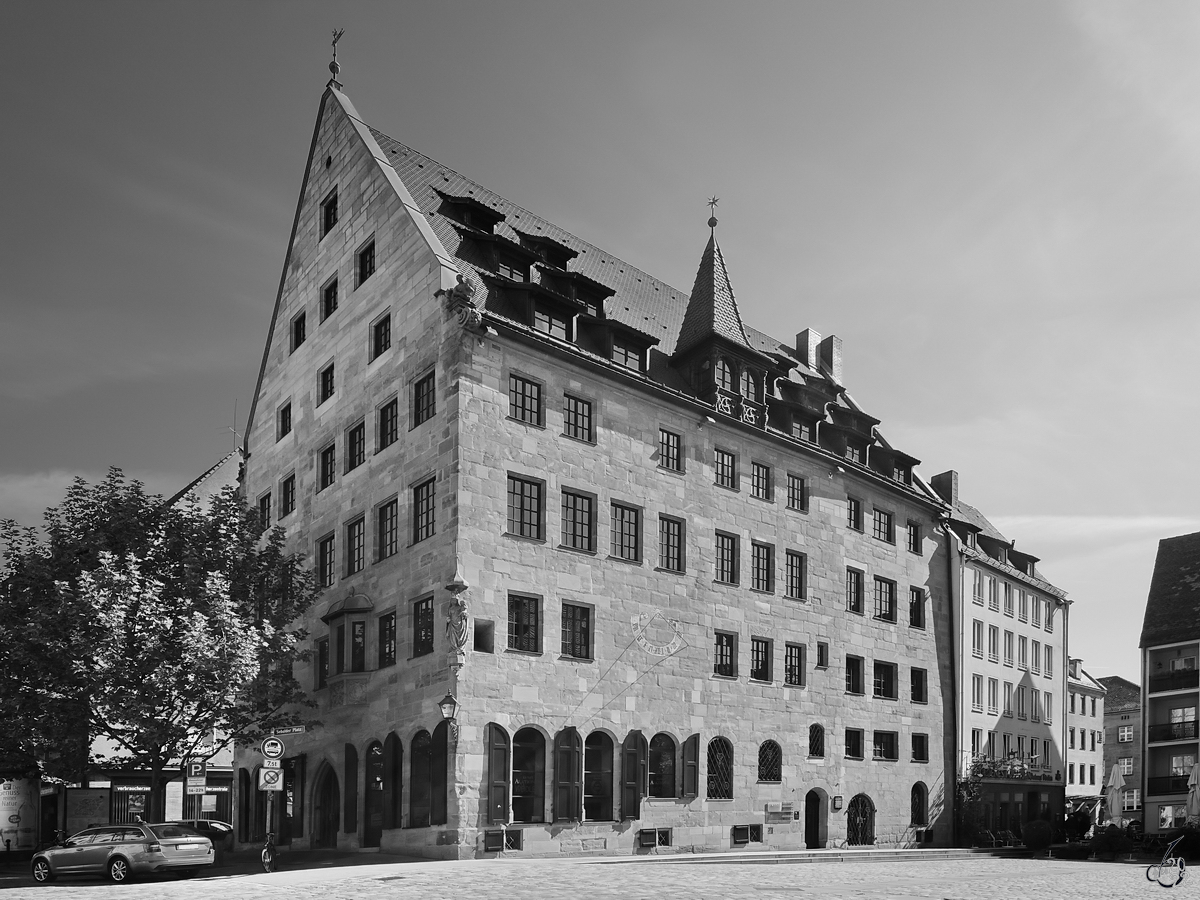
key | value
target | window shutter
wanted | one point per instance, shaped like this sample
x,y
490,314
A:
x,y
691,766
633,775
568,776
497,813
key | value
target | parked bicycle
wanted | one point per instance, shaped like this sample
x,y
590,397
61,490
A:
x,y
268,853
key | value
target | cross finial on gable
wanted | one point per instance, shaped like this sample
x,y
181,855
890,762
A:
x,y
333,66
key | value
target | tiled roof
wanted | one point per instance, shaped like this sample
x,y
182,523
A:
x,y
969,514
639,300
1122,694
1085,681
711,308
1173,607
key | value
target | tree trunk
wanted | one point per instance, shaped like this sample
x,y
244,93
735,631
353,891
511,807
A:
x,y
154,810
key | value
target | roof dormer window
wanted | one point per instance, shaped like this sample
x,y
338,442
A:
x,y
725,375
626,355
513,268
751,386
804,427
552,323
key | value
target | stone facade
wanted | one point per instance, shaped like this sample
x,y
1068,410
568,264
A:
x,y
661,714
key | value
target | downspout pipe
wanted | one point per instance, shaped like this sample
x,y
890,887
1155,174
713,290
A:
x,y
955,668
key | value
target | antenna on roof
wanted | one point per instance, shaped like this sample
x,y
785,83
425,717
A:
x,y
712,212
233,429
333,66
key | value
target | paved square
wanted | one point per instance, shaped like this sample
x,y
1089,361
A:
x,y
659,879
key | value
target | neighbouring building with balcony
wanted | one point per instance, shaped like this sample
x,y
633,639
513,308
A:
x,y
1123,739
681,589
1010,629
1170,645
1085,739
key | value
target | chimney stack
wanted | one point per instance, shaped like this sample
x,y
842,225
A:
x,y
946,486
807,344
831,357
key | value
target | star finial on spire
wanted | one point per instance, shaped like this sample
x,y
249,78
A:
x,y
712,210
333,66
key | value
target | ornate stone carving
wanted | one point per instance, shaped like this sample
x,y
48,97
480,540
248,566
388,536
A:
x,y
749,415
458,620
457,623
724,405
459,301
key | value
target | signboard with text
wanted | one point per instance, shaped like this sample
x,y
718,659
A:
x,y
197,776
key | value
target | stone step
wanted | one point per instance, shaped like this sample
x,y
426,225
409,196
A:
x,y
770,857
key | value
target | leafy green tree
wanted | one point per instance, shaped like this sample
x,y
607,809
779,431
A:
x,y
147,626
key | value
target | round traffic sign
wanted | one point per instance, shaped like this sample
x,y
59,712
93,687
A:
x,y
272,748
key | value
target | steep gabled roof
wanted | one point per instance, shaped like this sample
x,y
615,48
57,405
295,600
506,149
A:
x,y
1173,606
1122,695
638,301
711,311
224,474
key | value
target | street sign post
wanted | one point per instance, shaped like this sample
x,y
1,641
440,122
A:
x,y
272,748
197,777
290,729
270,780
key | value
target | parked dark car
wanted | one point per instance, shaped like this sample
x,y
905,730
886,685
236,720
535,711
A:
x,y
122,851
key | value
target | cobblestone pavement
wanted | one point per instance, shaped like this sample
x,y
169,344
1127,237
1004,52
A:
x,y
591,878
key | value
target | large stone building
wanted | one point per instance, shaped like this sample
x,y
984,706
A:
x,y
1010,632
1170,681
1123,739
681,590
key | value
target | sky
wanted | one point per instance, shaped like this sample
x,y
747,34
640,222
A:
x,y
995,206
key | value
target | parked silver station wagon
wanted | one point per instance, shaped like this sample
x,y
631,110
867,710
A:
x,y
122,851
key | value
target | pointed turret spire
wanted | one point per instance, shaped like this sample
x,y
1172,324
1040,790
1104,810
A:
x,y
712,310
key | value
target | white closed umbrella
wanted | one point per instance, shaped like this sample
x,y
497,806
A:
x,y
1193,800
1116,784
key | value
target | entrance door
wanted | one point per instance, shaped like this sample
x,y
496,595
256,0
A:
x,y
373,827
326,807
860,817
812,821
